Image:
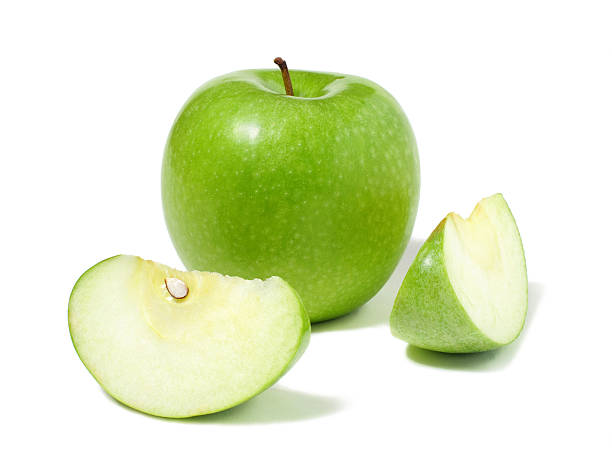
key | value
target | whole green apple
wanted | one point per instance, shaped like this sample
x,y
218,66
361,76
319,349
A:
x,y
320,187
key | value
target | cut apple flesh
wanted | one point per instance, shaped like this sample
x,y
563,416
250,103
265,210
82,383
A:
x,y
179,344
486,267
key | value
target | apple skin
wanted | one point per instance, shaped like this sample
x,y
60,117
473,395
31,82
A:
x,y
427,312
320,189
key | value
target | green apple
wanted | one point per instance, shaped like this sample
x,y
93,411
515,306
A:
x,y
466,290
320,188
178,344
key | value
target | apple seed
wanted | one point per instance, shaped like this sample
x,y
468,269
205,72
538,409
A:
x,y
176,287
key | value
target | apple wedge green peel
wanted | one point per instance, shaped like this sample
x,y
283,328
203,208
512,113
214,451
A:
x,y
466,290
179,344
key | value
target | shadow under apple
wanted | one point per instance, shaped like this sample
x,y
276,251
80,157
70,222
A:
x,y
494,360
376,311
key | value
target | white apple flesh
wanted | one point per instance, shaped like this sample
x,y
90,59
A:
x,y
226,340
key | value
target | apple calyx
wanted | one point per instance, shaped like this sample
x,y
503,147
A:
x,y
286,77
176,287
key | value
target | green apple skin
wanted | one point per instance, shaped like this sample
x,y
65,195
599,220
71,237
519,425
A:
x,y
427,312
320,189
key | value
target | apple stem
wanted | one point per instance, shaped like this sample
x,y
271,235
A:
x,y
285,72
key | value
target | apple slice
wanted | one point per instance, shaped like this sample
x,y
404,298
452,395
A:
x,y
179,344
466,290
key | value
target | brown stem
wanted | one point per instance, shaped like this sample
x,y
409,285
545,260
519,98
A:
x,y
285,72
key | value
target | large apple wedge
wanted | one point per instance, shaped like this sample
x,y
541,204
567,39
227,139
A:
x,y
179,344
466,290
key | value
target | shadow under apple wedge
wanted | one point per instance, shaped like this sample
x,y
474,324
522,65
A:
x,y
494,360
376,311
275,405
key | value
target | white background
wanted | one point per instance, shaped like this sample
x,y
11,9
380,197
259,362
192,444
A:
x,y
511,97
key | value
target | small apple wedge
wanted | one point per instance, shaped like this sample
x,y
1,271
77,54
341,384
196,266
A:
x,y
466,290
179,344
